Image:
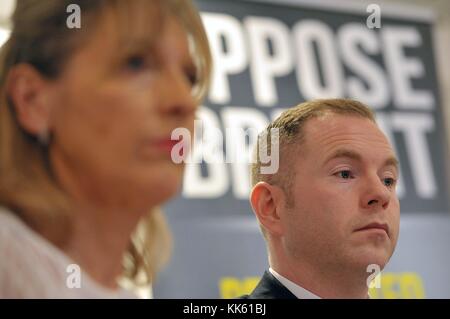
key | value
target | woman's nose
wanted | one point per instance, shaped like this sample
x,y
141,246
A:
x,y
178,100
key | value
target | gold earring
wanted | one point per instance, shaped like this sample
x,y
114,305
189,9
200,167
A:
x,y
43,137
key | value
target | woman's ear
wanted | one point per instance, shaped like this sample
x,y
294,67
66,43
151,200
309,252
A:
x,y
29,92
267,201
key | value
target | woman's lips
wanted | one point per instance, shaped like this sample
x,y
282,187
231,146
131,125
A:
x,y
165,146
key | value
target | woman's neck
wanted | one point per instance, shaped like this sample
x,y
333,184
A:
x,y
98,241
102,220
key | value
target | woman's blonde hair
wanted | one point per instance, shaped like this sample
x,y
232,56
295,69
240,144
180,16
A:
x,y
40,37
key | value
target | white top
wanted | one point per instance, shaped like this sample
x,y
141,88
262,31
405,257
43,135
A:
x,y
32,267
296,290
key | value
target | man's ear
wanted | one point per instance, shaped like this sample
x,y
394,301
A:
x,y
267,200
29,92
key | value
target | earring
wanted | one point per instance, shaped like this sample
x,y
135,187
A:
x,y
43,137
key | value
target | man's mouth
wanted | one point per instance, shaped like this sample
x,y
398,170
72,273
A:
x,y
375,226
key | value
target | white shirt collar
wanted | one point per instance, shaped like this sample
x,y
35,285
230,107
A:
x,y
299,292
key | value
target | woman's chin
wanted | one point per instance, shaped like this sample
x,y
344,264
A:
x,y
166,193
165,184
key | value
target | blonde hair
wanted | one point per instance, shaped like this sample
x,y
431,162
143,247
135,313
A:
x,y
40,38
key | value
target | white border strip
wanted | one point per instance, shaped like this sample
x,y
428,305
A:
x,y
402,11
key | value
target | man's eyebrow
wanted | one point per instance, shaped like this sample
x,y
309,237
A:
x,y
346,153
392,161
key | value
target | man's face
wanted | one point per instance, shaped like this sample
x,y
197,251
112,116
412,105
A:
x,y
345,209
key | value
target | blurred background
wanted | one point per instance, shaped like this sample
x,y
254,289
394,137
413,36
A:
x,y
269,55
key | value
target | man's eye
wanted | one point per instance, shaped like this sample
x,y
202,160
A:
x,y
346,174
389,181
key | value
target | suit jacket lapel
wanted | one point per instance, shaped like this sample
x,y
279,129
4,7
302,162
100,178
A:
x,y
270,288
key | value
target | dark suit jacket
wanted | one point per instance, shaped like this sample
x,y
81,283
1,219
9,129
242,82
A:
x,y
269,288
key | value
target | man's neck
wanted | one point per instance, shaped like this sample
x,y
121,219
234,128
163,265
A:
x,y
341,284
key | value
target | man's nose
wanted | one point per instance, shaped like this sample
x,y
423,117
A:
x,y
376,194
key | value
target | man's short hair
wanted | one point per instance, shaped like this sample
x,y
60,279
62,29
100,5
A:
x,y
290,125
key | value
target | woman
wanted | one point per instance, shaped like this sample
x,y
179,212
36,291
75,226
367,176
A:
x,y
86,116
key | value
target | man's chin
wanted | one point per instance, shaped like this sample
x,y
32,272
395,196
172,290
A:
x,y
371,258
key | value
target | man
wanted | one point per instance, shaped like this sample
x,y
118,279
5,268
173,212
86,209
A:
x,y
330,214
